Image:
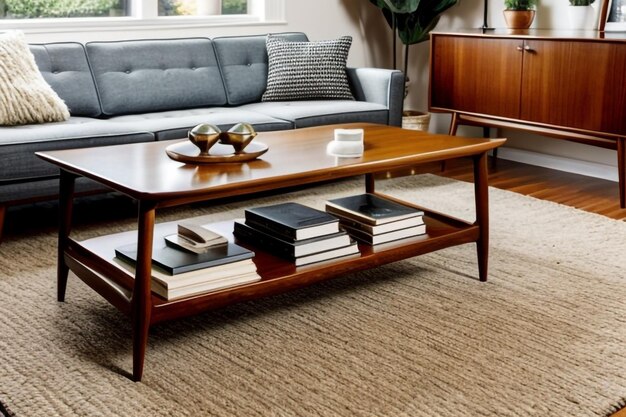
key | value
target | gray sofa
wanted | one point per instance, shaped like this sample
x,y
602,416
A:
x,y
146,90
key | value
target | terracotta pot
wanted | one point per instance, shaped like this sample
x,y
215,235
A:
x,y
519,19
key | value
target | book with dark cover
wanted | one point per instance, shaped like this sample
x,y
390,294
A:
x,y
385,237
293,220
286,249
346,251
199,281
176,261
381,228
268,243
371,209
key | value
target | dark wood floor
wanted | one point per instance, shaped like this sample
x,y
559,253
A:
x,y
582,192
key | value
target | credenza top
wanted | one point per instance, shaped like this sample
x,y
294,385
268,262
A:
x,y
540,34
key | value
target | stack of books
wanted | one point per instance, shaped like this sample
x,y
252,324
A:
x,y
177,272
374,220
296,232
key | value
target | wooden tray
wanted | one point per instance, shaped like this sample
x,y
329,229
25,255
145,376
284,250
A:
x,y
188,153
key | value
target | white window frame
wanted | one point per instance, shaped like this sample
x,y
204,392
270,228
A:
x,y
145,16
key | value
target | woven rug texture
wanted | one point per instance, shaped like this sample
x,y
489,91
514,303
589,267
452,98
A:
x,y
545,336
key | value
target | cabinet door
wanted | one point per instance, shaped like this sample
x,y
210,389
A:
x,y
476,75
579,84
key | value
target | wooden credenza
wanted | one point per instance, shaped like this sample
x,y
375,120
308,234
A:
x,y
569,85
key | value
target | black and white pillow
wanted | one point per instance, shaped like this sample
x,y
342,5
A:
x,y
307,70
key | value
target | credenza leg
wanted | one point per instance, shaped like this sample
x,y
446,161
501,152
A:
x,y
141,305
621,170
481,195
66,205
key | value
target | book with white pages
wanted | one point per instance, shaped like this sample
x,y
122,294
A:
x,y
385,237
161,279
381,228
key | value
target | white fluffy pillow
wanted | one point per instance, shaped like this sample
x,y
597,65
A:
x,y
25,97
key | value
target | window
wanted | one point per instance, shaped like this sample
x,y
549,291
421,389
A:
x,y
36,9
202,7
46,9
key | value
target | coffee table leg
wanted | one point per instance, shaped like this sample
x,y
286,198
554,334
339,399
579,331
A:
x,y
141,300
369,183
66,205
481,195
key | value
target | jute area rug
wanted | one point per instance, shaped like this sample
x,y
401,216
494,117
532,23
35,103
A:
x,y
545,336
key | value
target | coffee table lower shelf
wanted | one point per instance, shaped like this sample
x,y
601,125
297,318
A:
x,y
92,262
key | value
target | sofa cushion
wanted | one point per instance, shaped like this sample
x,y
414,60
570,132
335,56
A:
x,y
154,75
243,61
18,162
307,70
64,66
44,189
321,112
25,97
174,124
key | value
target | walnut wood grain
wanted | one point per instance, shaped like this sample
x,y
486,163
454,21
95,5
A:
x,y
144,172
570,85
575,84
469,74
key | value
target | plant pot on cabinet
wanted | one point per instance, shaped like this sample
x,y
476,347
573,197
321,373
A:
x,y
581,17
519,19
415,120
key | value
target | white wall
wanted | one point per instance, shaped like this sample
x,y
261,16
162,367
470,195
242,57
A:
x,y
325,19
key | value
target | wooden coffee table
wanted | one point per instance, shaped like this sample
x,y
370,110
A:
x,y
295,157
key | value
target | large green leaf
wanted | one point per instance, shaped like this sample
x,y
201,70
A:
x,y
415,27
400,6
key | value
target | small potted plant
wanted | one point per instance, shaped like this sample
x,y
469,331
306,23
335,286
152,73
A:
x,y
519,14
581,14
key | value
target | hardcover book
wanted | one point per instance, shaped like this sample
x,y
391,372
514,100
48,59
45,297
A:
x,y
381,228
293,220
341,247
290,250
371,209
175,261
386,237
199,281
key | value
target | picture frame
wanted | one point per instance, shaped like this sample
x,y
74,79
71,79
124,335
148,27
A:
x,y
613,16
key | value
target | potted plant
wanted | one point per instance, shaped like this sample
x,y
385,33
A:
x,y
581,14
411,21
519,14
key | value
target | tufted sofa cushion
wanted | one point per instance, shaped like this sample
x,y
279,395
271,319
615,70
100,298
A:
x,y
64,66
243,60
153,75
18,144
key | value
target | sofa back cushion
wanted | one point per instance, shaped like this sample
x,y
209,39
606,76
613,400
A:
x,y
64,66
153,75
243,60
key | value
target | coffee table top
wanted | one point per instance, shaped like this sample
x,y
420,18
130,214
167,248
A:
x,y
144,171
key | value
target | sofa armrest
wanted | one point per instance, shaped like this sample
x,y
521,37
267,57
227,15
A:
x,y
382,86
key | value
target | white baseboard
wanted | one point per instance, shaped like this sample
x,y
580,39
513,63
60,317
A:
x,y
590,169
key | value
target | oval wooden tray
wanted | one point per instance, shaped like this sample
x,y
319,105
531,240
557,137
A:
x,y
188,153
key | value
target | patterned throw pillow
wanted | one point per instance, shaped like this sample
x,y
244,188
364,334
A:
x,y
307,70
25,97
